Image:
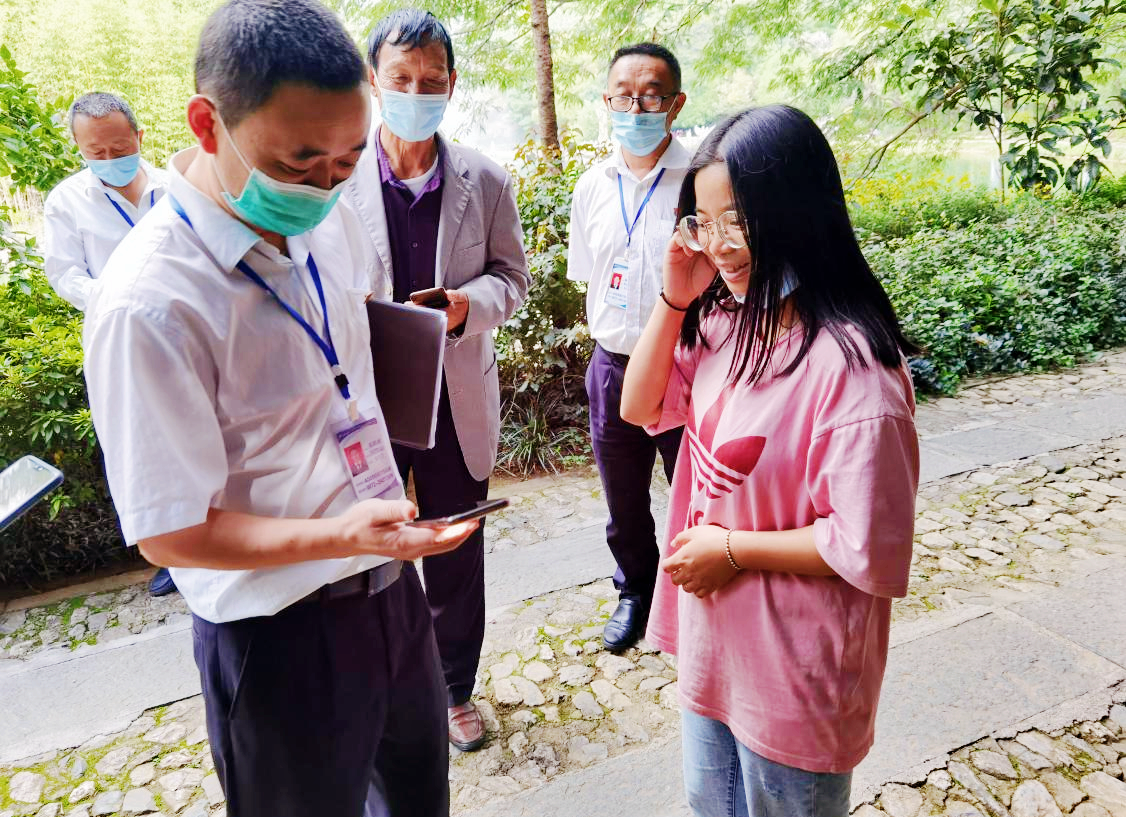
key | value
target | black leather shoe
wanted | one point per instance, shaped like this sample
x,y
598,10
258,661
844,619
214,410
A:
x,y
626,625
161,583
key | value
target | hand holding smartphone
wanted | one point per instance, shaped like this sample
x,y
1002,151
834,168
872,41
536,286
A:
x,y
22,484
482,508
435,298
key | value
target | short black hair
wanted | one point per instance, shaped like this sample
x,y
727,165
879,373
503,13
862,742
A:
x,y
250,47
649,50
99,105
413,28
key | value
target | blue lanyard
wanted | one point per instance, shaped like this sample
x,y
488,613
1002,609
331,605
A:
x,y
325,344
640,210
124,215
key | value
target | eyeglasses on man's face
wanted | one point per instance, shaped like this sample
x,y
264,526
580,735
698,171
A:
x,y
650,103
697,233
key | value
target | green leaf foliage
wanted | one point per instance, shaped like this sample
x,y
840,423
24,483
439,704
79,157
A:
x,y
142,50
543,349
44,411
1022,71
1039,289
35,150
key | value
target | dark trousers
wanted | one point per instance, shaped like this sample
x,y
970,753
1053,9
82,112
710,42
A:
x,y
625,454
455,581
321,708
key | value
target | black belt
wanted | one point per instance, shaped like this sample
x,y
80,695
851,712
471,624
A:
x,y
617,357
368,583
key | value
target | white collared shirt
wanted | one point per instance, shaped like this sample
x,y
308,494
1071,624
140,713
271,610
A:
x,y
82,228
598,237
206,394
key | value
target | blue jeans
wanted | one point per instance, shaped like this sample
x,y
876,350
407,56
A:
x,y
723,778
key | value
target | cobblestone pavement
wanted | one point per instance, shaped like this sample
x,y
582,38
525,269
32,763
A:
x,y
554,701
989,401
1076,771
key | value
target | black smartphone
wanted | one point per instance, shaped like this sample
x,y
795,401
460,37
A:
x,y
479,510
435,298
22,484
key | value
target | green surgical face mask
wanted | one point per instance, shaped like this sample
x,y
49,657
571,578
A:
x,y
278,207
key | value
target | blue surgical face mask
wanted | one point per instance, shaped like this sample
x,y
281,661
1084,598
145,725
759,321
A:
x,y
116,172
412,117
789,284
639,133
278,207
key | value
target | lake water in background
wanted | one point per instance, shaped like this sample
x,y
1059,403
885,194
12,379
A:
x,y
977,162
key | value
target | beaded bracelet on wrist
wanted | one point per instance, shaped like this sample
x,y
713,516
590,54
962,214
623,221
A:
x,y
730,558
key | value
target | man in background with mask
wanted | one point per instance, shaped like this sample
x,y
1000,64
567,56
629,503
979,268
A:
x,y
86,216
443,216
623,214
229,368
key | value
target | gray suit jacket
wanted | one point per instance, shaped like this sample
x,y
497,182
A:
x,y
480,252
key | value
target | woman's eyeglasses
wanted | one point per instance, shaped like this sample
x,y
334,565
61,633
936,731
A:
x,y
696,233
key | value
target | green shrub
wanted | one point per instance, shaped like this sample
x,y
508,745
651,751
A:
x,y
543,349
1043,288
43,411
900,206
1109,194
43,406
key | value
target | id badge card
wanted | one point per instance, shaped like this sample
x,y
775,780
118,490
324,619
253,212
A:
x,y
616,291
366,450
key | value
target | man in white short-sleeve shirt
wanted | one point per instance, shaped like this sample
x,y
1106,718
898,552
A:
x,y
87,214
623,214
229,372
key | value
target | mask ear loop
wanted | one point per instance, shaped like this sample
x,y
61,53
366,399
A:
x,y
234,146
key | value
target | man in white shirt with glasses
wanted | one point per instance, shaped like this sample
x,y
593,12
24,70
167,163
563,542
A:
x,y
623,214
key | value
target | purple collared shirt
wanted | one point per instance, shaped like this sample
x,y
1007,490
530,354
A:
x,y
412,227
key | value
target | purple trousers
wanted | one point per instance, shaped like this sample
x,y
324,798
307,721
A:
x,y
455,581
625,455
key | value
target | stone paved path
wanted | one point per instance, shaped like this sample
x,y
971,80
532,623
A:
x,y
556,704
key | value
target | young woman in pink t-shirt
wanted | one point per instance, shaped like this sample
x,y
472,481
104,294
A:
x,y
793,502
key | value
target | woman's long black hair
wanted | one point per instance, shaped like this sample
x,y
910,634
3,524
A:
x,y
788,194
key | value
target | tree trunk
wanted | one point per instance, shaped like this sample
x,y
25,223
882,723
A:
x,y
545,82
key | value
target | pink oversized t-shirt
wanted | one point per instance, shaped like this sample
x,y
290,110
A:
x,y
792,664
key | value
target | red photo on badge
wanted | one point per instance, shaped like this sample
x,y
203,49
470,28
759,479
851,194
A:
x,y
356,459
616,281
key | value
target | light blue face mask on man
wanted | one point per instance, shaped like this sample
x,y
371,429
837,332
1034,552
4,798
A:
x,y
116,172
639,133
278,207
412,117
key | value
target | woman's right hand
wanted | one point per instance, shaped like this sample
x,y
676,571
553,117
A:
x,y
687,272
377,526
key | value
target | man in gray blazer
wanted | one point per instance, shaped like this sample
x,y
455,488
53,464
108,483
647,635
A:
x,y
442,215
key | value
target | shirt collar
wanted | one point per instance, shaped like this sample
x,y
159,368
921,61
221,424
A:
x,y
226,238
675,157
387,175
